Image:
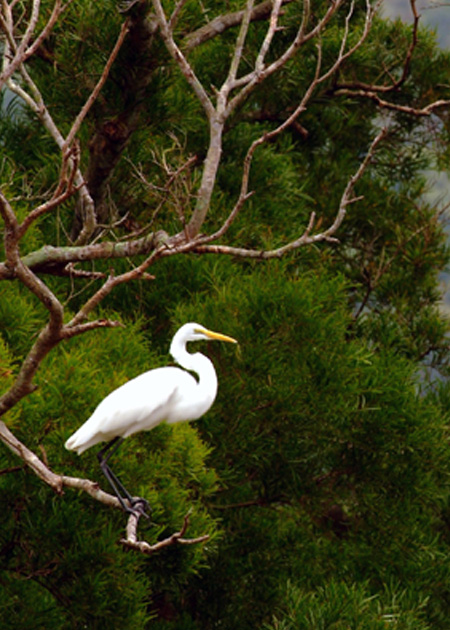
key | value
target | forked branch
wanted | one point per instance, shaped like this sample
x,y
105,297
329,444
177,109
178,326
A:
x,y
307,237
177,538
236,89
14,56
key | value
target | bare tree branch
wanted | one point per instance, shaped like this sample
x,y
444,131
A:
x,y
225,104
56,482
224,22
96,91
35,102
372,91
306,238
23,51
131,541
53,260
158,245
59,482
218,105
181,60
427,110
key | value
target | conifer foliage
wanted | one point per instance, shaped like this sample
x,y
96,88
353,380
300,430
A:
x,y
259,168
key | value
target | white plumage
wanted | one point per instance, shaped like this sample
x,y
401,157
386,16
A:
x,y
167,394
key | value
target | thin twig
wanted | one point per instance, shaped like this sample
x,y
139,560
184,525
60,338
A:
x,y
202,245
96,91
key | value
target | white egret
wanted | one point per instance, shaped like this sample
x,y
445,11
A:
x,y
166,394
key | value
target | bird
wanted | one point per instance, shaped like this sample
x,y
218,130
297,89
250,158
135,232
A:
x,y
165,394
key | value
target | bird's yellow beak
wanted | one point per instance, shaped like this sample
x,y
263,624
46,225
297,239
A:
x,y
217,336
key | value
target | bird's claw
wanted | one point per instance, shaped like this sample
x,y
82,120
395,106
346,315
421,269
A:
x,y
141,507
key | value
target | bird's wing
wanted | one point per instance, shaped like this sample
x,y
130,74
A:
x,y
138,405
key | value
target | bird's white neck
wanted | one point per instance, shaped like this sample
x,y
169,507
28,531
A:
x,y
197,363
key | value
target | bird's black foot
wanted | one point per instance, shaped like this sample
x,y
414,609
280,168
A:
x,y
140,507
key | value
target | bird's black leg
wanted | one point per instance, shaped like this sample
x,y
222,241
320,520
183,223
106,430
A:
x,y
103,458
137,504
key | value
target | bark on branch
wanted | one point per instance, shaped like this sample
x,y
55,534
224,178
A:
x,y
221,23
53,260
177,538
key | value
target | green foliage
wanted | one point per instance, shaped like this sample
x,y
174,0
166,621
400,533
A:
x,y
6,366
19,319
53,557
343,607
328,456
60,561
321,472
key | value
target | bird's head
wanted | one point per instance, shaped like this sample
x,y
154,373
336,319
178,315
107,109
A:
x,y
195,332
